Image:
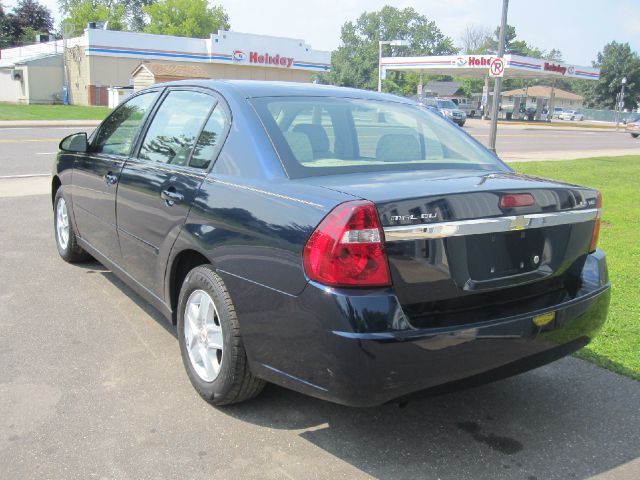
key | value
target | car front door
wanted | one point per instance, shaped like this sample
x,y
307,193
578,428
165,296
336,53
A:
x,y
96,174
158,186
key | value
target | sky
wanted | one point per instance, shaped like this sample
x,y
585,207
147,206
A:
x,y
579,28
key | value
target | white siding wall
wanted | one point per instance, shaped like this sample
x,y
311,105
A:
x,y
10,90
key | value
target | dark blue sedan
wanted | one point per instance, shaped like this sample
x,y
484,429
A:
x,y
342,243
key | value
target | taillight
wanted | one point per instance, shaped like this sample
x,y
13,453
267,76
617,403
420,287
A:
x,y
596,227
347,248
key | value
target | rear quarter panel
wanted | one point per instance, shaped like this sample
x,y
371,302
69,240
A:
x,y
256,229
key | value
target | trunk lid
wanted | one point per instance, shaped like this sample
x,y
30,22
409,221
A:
x,y
457,257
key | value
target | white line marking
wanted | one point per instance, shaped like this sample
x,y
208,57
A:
x,y
46,153
3,177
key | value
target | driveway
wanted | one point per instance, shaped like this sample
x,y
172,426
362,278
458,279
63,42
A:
x,y
92,386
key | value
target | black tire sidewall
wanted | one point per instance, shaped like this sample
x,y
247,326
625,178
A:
x,y
204,278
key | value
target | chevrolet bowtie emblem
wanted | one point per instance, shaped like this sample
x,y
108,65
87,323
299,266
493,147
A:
x,y
520,223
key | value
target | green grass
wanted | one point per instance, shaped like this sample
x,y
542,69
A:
x,y
617,347
10,111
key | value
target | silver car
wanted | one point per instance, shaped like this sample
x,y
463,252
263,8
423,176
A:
x,y
449,109
573,115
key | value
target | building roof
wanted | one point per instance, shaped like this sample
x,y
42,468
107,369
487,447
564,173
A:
x,y
13,61
542,91
442,89
173,70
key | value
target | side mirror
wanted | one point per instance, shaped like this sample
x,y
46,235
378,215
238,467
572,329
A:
x,y
75,143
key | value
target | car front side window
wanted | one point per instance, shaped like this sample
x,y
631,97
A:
x,y
119,130
176,126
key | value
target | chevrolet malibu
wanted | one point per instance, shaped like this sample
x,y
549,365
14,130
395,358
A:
x,y
346,244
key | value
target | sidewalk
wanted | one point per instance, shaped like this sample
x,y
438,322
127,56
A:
x,y
559,155
48,123
520,125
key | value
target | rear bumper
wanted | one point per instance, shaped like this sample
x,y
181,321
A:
x,y
356,348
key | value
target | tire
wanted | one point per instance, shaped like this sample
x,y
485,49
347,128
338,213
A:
x,y
635,135
68,248
220,376
472,113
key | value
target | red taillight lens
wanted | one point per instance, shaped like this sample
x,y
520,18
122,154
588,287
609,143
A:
x,y
516,200
347,248
596,227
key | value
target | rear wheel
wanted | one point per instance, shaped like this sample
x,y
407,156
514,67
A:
x,y
66,240
635,135
210,344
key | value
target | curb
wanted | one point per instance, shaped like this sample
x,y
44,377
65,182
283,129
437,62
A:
x,y
557,124
48,123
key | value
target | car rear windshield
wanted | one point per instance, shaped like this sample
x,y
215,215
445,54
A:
x,y
325,136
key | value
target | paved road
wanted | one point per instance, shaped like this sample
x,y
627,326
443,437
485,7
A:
x,y
524,142
32,150
92,386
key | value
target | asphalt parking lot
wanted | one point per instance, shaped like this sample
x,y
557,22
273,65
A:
x,y
92,386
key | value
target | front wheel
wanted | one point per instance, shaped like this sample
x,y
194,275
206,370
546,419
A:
x,y
635,135
210,344
66,240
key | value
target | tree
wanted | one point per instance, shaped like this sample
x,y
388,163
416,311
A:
x,y
80,12
29,13
492,42
474,39
616,61
127,14
5,41
186,18
355,62
27,19
512,44
136,15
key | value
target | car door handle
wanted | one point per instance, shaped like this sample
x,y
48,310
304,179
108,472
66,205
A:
x,y
171,197
110,179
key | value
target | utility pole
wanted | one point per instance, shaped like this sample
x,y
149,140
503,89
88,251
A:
x,y
620,104
498,80
67,30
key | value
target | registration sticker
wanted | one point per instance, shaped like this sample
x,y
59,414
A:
x,y
544,319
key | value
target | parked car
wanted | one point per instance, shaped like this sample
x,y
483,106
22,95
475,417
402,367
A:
x,y
342,243
633,126
571,115
448,109
432,109
557,111
468,106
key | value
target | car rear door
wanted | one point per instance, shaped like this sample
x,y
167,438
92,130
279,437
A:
x,y
158,185
96,174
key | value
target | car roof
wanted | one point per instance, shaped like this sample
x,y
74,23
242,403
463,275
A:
x,y
261,88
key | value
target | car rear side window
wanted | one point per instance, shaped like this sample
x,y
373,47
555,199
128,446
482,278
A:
x,y
176,126
326,136
210,139
119,130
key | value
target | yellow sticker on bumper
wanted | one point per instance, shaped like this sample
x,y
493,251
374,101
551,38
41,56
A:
x,y
544,319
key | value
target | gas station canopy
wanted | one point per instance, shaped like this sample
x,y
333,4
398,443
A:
x,y
516,66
